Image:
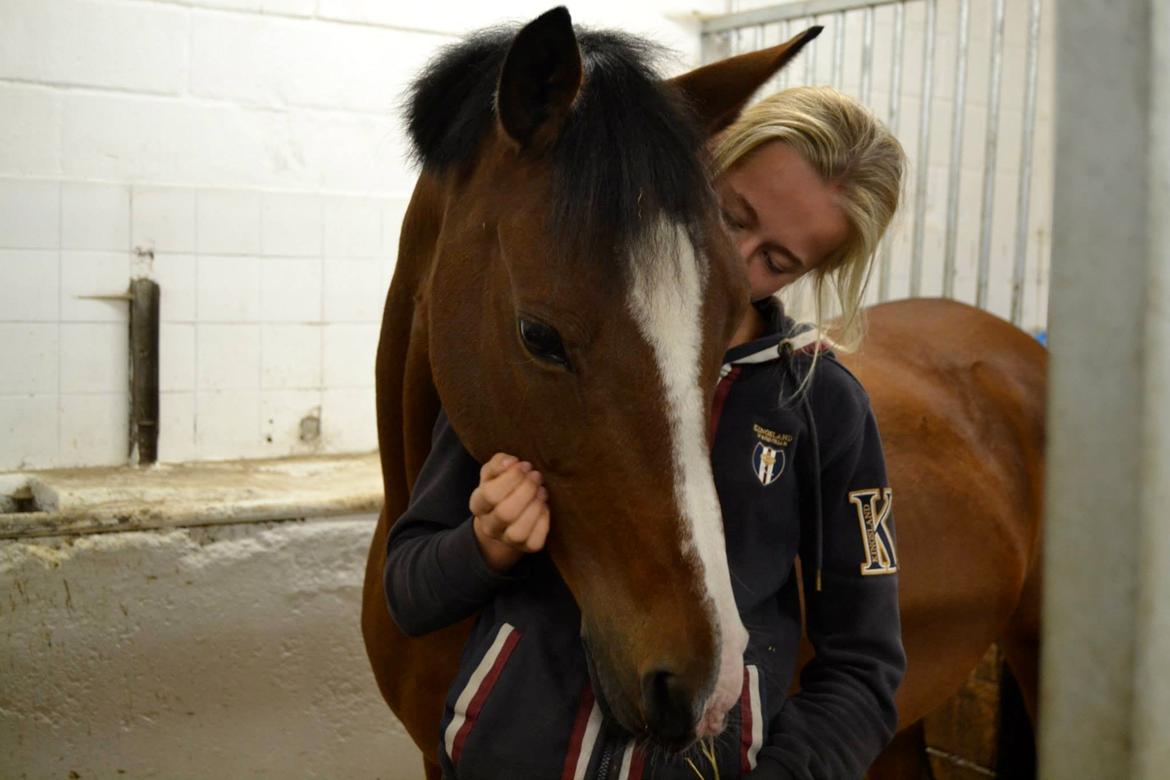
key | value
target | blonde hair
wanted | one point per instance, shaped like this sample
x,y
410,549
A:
x,y
852,150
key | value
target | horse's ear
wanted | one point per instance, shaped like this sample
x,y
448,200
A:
x,y
540,79
719,91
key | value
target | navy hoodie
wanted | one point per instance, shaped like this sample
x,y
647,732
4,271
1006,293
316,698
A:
x,y
796,475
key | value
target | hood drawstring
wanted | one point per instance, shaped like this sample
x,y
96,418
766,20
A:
x,y
810,420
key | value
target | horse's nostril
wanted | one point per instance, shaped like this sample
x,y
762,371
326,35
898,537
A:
x,y
670,716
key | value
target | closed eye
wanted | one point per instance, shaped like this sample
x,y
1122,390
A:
x,y
770,263
730,220
789,264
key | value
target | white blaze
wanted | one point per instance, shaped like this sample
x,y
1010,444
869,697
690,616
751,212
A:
x,y
666,298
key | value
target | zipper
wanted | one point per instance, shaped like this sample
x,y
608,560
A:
x,y
606,759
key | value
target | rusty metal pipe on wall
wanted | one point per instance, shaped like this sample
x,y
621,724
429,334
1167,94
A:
x,y
144,361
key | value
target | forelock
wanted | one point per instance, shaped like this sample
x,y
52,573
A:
x,y
630,152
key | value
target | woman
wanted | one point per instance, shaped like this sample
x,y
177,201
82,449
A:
x,y
808,181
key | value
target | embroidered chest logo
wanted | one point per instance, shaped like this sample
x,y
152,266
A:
x,y
873,511
768,457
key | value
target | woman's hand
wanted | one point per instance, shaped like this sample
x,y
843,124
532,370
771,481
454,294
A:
x,y
510,509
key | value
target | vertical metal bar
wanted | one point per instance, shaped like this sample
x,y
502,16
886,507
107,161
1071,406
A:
x,y
785,32
144,366
895,115
956,167
838,49
1024,199
810,56
896,67
923,149
712,44
761,42
867,56
989,156
717,46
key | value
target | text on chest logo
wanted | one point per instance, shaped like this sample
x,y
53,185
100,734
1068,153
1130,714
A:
x,y
768,457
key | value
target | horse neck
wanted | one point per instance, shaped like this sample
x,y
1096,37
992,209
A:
x,y
404,389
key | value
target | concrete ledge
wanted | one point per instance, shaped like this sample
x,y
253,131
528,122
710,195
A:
x,y
101,500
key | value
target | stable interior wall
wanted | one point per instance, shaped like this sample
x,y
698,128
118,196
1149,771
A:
x,y
246,154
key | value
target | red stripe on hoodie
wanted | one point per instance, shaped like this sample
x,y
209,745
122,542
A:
x,y
721,391
578,733
481,695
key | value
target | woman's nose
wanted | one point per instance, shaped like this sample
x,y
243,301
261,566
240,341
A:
x,y
746,243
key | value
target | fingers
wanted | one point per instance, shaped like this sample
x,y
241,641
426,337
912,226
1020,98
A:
x,y
498,464
518,533
511,504
495,487
539,532
479,506
492,526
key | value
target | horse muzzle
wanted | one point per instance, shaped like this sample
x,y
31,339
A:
x,y
728,685
675,709
669,704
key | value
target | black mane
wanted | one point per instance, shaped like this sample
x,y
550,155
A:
x,y
630,151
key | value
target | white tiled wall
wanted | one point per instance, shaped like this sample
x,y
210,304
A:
x,y
270,311
247,155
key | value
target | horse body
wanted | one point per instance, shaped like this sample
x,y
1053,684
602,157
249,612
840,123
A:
x,y
959,398
472,258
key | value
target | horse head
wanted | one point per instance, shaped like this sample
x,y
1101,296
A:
x,y
579,300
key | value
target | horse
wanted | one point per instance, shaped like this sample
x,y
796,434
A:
x,y
563,253
959,396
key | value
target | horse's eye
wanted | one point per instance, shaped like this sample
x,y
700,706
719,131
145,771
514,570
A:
x,y
543,342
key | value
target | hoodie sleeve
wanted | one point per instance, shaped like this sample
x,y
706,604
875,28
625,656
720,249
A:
x,y
844,714
435,574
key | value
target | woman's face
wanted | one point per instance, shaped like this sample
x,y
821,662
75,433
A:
x,y
784,218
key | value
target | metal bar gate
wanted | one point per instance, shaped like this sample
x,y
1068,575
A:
x,y
965,242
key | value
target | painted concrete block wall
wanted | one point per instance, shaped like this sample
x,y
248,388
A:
x,y
232,651
938,161
246,154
